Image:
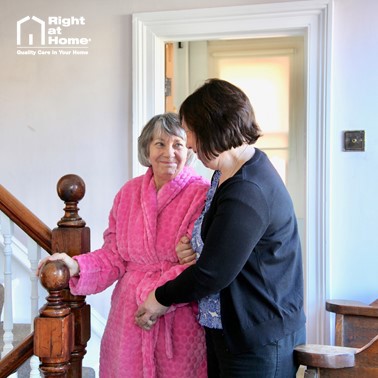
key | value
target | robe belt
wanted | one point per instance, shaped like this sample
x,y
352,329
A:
x,y
149,338
160,266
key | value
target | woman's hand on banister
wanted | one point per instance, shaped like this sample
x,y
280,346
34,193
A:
x,y
72,264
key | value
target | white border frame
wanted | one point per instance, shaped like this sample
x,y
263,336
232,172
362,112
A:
x,y
311,18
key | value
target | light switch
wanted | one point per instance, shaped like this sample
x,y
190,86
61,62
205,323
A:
x,y
354,140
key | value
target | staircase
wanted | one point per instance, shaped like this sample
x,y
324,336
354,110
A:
x,y
62,327
20,331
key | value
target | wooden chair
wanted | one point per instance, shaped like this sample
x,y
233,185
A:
x,y
356,323
356,338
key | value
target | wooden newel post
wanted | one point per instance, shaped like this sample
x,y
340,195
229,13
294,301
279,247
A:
x,y
73,237
54,329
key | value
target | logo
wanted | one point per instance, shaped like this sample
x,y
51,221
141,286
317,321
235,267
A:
x,y
54,36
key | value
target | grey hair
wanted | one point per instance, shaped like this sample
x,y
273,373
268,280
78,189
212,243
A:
x,y
167,123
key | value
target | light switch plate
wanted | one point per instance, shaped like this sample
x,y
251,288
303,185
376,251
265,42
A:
x,y
354,140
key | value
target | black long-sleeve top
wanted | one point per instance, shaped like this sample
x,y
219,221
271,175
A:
x,y
251,255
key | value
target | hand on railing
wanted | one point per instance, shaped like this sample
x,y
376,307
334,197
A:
x,y
54,276
72,264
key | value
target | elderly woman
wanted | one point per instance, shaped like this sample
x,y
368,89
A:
x,y
149,215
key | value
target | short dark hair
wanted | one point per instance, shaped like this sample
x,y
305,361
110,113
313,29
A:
x,y
168,123
221,116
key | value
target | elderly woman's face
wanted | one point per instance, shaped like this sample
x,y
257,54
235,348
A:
x,y
167,156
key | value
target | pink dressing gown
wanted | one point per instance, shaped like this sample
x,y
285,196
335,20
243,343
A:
x,y
139,251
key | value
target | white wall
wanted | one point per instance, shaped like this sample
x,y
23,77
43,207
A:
x,y
72,114
354,204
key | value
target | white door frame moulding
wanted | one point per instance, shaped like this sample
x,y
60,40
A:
x,y
311,18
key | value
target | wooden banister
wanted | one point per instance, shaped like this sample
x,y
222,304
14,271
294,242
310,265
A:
x,y
13,360
64,323
71,236
25,219
54,328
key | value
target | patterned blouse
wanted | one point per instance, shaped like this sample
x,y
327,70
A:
x,y
209,307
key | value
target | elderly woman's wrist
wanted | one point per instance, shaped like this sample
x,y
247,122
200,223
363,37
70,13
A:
x,y
76,269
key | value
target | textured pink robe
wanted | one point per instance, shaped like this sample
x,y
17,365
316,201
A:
x,y
139,252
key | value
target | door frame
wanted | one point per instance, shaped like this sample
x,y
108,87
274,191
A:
x,y
313,20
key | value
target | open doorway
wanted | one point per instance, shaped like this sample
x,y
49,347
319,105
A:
x,y
271,71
